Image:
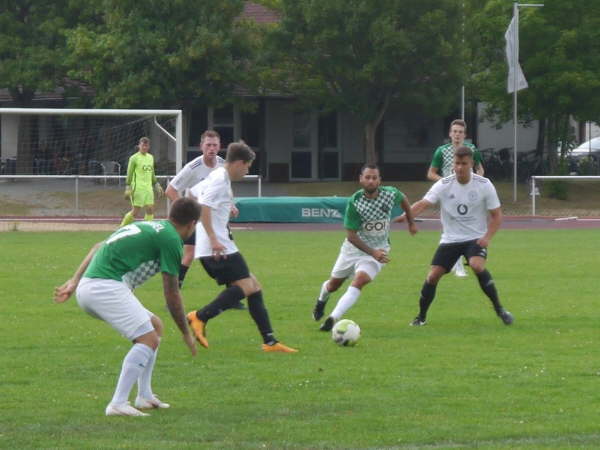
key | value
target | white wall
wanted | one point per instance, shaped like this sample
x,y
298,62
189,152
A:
x,y
10,135
278,139
490,137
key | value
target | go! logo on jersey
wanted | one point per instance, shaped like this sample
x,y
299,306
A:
x,y
378,225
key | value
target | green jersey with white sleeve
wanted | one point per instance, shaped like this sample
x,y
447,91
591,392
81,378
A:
x,y
138,251
371,217
443,158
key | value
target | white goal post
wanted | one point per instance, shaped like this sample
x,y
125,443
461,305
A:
x,y
534,190
178,138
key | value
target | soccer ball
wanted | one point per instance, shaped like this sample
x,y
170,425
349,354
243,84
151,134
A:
x,y
345,333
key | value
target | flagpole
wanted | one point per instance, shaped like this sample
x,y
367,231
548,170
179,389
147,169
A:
x,y
517,73
515,89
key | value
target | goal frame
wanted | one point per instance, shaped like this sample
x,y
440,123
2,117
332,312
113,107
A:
x,y
177,113
555,177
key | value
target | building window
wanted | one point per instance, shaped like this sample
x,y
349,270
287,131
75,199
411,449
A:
x,y
301,129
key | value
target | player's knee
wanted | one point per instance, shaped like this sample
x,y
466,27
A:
x,y
360,280
158,325
248,285
150,339
435,274
477,264
334,284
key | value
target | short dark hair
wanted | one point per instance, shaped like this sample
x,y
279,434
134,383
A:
x,y
239,151
463,151
211,134
184,211
459,122
369,166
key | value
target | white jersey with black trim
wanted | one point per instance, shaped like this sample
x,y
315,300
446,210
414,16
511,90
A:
x,y
215,193
193,173
464,207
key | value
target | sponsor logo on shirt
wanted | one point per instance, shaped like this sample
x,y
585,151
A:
x,y
379,225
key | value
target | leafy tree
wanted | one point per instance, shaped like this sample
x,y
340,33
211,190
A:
x,y
162,53
362,56
559,48
33,45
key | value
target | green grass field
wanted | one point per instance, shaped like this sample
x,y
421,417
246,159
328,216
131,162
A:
x,y
464,380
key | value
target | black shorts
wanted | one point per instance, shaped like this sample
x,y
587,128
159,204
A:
x,y
191,240
226,270
446,255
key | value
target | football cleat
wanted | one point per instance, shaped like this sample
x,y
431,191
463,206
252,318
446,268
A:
x,y
506,317
327,325
278,347
417,322
124,409
150,403
319,310
198,327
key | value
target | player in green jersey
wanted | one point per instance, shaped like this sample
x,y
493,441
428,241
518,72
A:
x,y
104,284
140,181
443,162
366,247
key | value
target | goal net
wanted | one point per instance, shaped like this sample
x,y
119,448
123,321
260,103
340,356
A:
x,y
74,161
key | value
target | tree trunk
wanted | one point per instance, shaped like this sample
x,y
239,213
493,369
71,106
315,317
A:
x,y
540,147
370,133
371,126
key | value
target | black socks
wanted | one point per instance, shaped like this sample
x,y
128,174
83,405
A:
x,y
489,288
427,296
224,300
259,314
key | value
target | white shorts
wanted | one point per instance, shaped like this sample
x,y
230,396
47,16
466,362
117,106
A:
x,y
113,302
347,264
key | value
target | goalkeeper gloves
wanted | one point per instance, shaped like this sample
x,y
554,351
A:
x,y
158,189
127,193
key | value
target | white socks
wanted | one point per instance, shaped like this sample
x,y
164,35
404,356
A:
x,y
345,302
134,364
145,378
324,294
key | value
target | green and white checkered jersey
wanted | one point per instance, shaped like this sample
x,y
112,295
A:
x,y
370,218
443,158
136,252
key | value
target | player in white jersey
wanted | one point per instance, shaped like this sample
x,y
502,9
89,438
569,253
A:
x,y
443,162
220,256
465,200
193,173
367,245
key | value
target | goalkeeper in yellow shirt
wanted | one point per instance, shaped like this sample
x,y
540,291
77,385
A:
x,y
141,180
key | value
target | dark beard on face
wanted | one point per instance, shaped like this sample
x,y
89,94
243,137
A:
x,y
370,191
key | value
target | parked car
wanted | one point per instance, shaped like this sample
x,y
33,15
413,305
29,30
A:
x,y
589,148
585,159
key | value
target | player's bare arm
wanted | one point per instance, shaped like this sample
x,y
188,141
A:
x,y
377,253
433,174
479,170
64,292
218,249
175,305
493,226
412,227
172,193
416,209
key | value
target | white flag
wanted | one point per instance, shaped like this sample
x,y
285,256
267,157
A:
x,y
510,37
